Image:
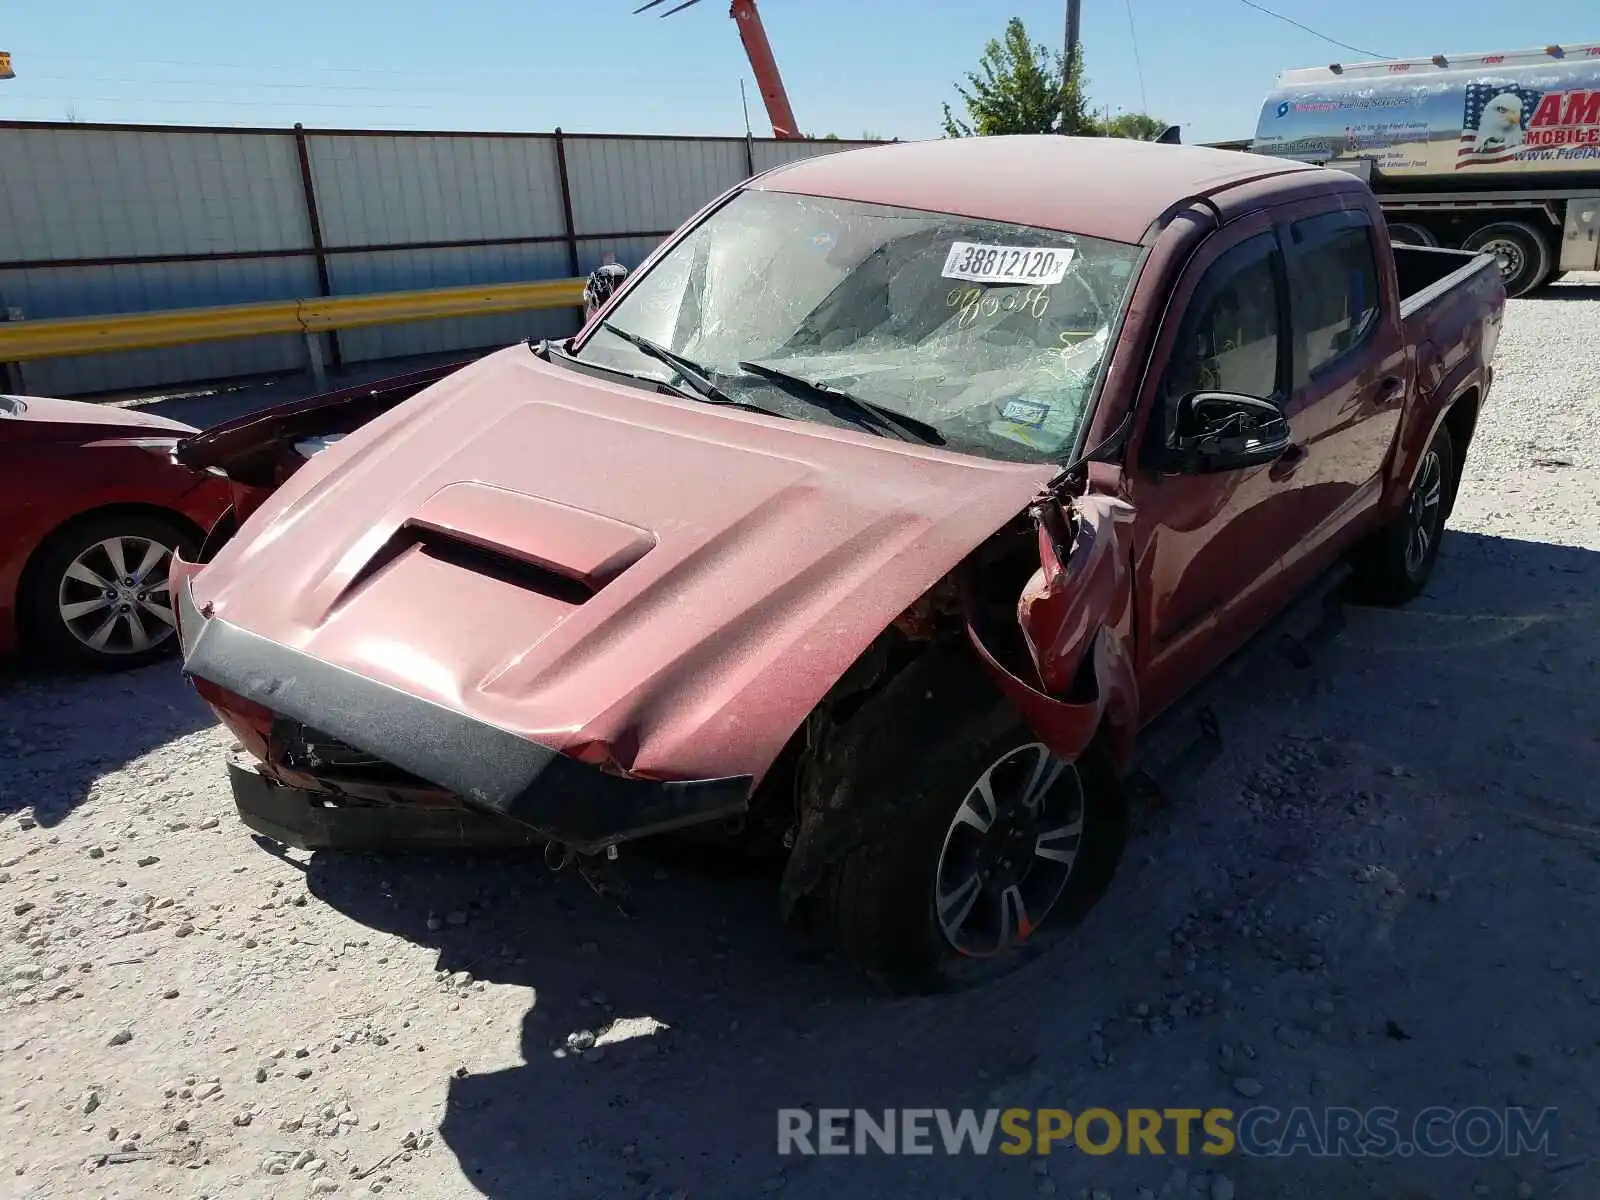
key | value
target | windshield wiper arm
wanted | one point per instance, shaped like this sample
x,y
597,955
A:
x,y
692,372
876,416
710,394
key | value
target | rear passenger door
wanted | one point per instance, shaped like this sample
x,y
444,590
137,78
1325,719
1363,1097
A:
x,y
1349,375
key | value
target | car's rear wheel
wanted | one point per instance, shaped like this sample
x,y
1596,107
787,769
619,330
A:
x,y
993,847
98,592
1396,562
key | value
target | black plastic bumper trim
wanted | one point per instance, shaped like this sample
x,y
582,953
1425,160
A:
x,y
306,821
488,767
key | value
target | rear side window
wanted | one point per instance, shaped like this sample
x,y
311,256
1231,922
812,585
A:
x,y
1230,340
1335,301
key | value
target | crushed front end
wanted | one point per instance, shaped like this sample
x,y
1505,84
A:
x,y
331,760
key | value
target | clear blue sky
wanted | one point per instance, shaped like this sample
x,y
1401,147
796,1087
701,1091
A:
x,y
851,66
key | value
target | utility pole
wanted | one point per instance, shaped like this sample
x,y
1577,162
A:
x,y
1071,54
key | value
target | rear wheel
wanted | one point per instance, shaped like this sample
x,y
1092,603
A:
x,y
1394,566
994,845
98,593
1408,233
1524,255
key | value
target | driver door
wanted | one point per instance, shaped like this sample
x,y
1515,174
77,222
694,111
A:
x,y
1208,546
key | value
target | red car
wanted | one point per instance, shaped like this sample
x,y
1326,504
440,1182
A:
x,y
92,507
882,519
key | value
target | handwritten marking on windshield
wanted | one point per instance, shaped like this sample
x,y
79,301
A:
x,y
977,302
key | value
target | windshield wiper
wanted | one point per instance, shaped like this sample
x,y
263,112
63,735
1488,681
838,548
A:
x,y
692,372
873,416
709,393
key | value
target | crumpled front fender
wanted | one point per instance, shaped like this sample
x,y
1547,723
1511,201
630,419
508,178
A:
x,y
1076,618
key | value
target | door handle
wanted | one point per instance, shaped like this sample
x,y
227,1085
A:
x,y
1288,462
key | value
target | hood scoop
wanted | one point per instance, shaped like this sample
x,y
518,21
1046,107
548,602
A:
x,y
555,550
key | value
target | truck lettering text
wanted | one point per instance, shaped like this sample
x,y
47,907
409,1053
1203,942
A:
x,y
1581,108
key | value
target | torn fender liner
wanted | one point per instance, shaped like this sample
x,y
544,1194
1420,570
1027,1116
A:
x,y
490,768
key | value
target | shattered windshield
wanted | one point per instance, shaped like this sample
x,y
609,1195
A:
x,y
991,334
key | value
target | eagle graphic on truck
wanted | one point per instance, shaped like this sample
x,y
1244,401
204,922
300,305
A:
x,y
1497,153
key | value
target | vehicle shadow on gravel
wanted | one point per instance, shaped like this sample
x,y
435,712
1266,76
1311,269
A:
x,y
60,730
1571,291
756,1020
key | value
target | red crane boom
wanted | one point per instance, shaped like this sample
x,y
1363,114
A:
x,y
759,51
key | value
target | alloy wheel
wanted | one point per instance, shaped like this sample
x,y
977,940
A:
x,y
114,597
1424,508
1009,851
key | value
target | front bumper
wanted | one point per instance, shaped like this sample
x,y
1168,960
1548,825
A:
x,y
306,821
489,768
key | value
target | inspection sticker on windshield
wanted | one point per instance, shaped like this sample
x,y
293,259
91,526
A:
x,y
1006,264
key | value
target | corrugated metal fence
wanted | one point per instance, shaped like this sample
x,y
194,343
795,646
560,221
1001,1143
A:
x,y
123,218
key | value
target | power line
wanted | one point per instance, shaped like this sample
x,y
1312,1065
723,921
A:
x,y
1314,33
1144,101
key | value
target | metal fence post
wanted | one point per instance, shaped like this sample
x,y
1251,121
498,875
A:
x,y
318,247
566,203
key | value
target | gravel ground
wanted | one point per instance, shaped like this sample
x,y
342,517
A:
x,y
1385,893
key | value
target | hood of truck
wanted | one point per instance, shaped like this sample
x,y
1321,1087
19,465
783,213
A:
x,y
658,583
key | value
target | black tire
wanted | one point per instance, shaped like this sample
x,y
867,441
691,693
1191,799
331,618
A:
x,y
924,743
1408,233
48,588
1388,568
1525,258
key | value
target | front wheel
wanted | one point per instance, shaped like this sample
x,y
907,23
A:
x,y
98,593
995,843
1396,563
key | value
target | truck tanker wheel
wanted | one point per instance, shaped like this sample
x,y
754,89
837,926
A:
x,y
1394,565
1409,234
1524,255
992,846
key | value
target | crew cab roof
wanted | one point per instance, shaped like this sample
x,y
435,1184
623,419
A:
x,y
1111,188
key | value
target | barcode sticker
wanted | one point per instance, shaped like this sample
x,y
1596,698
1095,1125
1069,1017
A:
x,y
1006,264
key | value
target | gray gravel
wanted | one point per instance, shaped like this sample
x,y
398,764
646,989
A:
x,y
1386,893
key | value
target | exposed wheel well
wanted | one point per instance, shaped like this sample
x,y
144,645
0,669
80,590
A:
x,y
1460,422
152,511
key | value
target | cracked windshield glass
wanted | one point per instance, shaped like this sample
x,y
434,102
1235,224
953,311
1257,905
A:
x,y
991,334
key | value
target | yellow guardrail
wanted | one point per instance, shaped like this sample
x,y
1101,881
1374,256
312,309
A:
x,y
21,341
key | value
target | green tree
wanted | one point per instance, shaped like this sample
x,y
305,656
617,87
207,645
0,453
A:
x,y
1020,87
1140,126
1016,89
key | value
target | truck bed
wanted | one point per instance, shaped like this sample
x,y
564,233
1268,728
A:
x,y
1426,275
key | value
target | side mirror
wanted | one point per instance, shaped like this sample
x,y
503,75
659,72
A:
x,y
1224,431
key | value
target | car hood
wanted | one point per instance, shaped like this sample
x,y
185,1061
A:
x,y
45,417
658,582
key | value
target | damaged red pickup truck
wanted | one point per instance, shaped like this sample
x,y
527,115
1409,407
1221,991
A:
x,y
872,521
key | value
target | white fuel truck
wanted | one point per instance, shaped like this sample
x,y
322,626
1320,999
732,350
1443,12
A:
x,y
1491,152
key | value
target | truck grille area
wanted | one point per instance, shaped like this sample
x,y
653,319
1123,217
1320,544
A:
x,y
299,747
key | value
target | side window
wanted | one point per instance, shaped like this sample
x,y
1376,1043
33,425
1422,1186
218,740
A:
x,y
1336,298
1231,337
